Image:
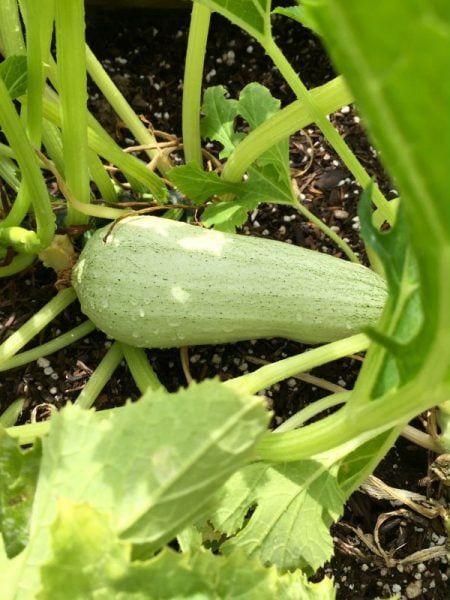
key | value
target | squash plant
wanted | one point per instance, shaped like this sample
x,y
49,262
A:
x,y
90,508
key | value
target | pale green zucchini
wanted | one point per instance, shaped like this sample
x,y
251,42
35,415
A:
x,y
153,282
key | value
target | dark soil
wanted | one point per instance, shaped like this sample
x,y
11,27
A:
x,y
144,54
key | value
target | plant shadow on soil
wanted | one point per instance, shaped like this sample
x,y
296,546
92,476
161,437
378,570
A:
x,y
144,54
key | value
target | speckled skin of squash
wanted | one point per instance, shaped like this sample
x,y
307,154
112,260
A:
x,y
153,282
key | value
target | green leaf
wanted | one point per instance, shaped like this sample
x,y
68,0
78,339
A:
x,y
404,305
252,15
384,80
218,121
13,71
199,185
226,216
89,561
9,417
359,464
190,539
153,466
86,555
264,184
267,184
204,575
182,470
269,178
18,475
256,104
384,76
294,505
297,13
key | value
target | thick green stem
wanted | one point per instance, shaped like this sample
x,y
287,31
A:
x,y
192,83
102,212
54,345
102,180
72,89
38,17
100,377
105,146
424,440
288,367
18,210
284,123
31,174
359,423
5,151
18,264
35,77
330,133
33,326
141,370
51,138
27,434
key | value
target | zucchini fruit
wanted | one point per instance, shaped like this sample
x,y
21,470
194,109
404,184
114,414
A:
x,y
153,282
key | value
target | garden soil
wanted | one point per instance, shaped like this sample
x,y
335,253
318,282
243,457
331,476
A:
x,y
377,539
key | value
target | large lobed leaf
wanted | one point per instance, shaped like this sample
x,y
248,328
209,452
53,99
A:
x,y
268,179
152,467
95,563
218,121
293,506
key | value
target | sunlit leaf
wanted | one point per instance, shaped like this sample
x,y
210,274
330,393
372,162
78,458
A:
x,y
89,561
292,507
86,554
152,466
